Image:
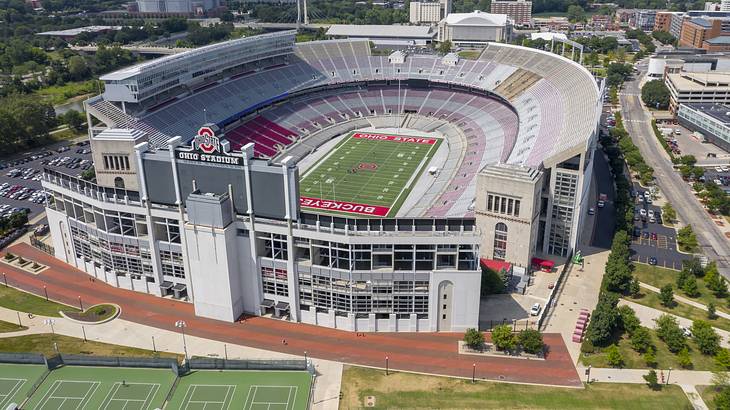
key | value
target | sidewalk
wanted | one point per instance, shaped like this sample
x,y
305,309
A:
x,y
647,316
685,300
422,352
686,379
122,332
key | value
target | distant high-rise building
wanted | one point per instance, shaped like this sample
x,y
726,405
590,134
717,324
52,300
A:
x,y
520,11
197,7
430,12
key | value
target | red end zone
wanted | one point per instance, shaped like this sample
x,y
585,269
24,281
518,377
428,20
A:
x,y
340,206
395,138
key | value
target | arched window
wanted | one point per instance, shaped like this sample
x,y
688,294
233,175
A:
x,y
118,183
500,242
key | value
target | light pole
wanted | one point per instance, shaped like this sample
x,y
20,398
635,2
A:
x,y
386,365
588,374
669,374
182,325
81,304
51,322
473,372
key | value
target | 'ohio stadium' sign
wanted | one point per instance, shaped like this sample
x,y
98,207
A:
x,y
206,147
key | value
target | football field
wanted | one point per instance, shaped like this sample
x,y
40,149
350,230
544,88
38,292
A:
x,y
367,174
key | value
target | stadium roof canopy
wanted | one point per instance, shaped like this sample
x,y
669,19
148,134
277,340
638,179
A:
x,y
380,31
476,18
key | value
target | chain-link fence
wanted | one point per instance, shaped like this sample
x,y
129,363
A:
x,y
37,243
22,358
222,364
118,361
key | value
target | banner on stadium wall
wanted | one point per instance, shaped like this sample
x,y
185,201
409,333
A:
x,y
342,206
394,138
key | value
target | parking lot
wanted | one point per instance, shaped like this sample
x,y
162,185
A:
x,y
20,175
689,144
652,242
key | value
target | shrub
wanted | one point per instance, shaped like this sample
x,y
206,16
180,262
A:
x,y
722,359
613,356
531,341
587,347
652,380
650,358
711,311
641,340
474,338
9,256
684,359
503,338
690,287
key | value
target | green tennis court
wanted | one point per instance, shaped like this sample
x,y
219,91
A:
x,y
250,390
72,388
16,381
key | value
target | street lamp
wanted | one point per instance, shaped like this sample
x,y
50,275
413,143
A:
x,y
669,374
182,325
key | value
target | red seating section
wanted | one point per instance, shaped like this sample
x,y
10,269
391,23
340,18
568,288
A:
x,y
266,135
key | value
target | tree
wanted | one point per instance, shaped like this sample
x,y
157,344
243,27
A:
x,y
444,47
663,37
711,311
531,341
686,239
641,340
604,320
708,341
635,288
629,321
474,339
668,330
666,295
655,94
652,380
684,359
694,267
576,13
682,278
74,119
690,287
722,359
614,357
78,69
503,338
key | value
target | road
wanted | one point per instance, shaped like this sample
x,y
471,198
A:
x,y
638,123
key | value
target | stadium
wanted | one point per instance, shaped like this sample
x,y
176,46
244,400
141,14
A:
x,y
320,183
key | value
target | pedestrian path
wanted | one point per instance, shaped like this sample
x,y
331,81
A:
x,y
685,300
685,379
648,315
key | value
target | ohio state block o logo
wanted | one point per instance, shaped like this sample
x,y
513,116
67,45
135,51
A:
x,y
368,166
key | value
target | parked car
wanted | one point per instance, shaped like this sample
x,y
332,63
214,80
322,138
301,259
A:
x,y
642,212
601,203
591,211
535,310
654,236
652,261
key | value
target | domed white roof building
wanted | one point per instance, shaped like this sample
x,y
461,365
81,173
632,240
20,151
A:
x,y
474,29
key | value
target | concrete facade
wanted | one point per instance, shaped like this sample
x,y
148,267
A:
x,y
519,11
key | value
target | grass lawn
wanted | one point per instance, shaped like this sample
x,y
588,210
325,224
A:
x,y
43,343
470,54
67,134
367,174
59,94
405,390
651,299
94,314
657,276
708,395
14,299
7,327
665,358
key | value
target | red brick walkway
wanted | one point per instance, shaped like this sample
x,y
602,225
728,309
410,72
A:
x,y
420,352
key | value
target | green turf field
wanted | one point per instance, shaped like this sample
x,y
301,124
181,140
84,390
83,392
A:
x,y
16,380
113,388
247,390
367,174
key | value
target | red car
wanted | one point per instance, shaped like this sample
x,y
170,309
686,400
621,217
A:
x,y
653,236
